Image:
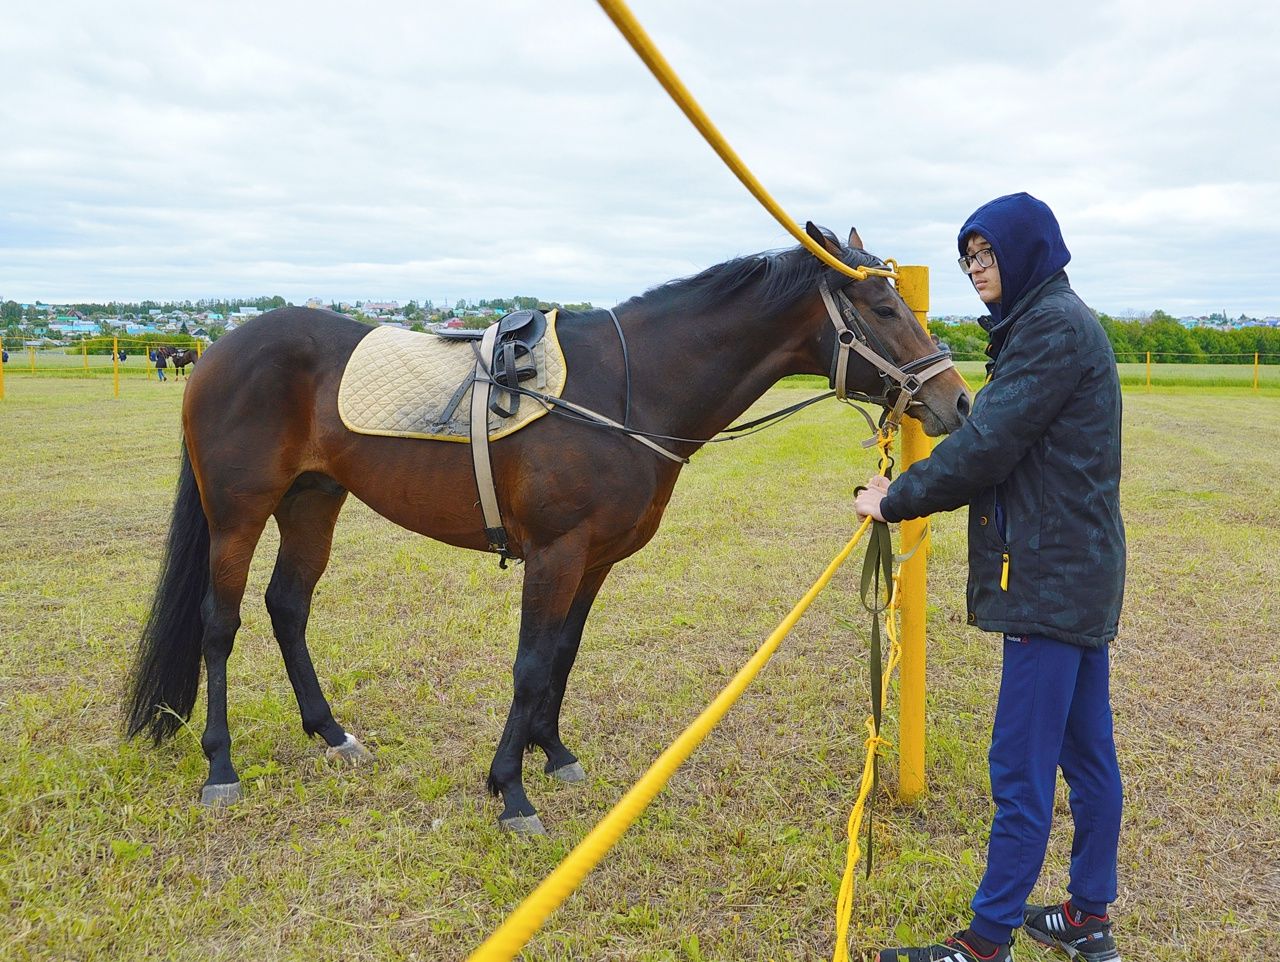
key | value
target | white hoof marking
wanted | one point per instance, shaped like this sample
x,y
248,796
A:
x,y
350,752
523,825
570,773
215,796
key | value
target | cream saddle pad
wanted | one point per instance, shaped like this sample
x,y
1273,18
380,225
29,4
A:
x,y
398,383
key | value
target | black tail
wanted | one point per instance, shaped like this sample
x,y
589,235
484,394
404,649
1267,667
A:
x,y
166,673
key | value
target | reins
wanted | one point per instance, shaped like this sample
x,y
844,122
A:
x,y
853,335
575,412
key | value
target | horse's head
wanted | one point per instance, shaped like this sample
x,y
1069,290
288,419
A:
x,y
878,349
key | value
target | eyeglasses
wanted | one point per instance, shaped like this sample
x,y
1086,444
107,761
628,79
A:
x,y
983,258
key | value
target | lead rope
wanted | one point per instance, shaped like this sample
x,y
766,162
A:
x,y
877,565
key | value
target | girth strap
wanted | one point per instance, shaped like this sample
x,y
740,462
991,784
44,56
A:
x,y
481,389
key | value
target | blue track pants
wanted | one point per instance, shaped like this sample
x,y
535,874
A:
x,y
1054,712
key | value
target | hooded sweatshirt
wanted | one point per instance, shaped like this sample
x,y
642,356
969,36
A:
x,y
1038,460
1027,241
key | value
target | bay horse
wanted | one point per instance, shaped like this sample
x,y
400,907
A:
x,y
262,437
181,359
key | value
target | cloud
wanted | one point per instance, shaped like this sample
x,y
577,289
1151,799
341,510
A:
x,y
162,151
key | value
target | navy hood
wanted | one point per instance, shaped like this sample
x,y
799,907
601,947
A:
x,y
1028,244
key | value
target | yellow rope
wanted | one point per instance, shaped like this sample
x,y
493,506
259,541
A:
x,y
644,47
520,926
844,901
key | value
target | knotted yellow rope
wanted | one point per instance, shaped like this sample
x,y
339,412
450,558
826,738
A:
x,y
844,901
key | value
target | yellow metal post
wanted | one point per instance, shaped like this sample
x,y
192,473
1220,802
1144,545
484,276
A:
x,y
1255,371
31,358
913,285
1148,370
115,363
84,352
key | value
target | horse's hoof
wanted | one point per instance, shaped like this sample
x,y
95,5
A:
x,y
216,796
569,773
350,752
523,825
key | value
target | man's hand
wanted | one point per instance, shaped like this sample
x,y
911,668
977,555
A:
x,y
867,503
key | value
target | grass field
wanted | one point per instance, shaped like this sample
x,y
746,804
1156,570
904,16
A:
x,y
1173,375
104,855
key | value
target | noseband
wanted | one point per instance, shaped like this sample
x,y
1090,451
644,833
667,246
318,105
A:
x,y
853,334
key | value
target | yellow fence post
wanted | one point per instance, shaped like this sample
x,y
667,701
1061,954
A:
x,y
1148,370
1255,371
913,285
115,363
31,358
84,352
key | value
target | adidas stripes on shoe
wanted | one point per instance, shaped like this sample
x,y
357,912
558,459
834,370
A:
x,y
1082,936
953,949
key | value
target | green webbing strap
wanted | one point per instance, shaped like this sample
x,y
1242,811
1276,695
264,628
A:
x,y
877,569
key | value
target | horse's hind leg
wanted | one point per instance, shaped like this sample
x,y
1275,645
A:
x,y
306,517
230,551
562,763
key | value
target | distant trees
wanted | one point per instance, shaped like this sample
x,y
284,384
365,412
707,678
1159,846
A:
x,y
1168,341
1159,333
968,341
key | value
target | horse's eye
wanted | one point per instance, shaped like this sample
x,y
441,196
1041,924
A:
x,y
886,312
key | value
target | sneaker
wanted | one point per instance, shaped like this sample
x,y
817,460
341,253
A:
x,y
953,949
1081,936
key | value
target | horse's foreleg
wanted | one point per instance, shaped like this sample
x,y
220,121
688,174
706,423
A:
x,y
306,518
552,577
562,763
229,555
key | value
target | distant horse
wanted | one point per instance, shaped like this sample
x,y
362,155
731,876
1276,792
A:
x,y
180,359
262,437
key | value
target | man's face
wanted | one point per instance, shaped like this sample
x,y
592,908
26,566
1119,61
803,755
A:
x,y
986,280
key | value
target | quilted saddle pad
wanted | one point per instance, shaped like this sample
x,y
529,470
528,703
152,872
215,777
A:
x,y
398,383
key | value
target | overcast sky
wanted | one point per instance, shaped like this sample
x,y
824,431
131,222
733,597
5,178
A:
x,y
431,150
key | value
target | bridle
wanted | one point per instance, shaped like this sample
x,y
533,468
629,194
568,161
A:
x,y
853,334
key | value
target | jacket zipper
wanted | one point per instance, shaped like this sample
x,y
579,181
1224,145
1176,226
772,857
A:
x,y
1004,537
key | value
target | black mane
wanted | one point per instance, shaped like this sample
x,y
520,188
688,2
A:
x,y
764,283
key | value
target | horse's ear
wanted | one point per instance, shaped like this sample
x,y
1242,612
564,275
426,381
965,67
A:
x,y
820,237
854,240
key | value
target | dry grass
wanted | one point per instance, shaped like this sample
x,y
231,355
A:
x,y
103,854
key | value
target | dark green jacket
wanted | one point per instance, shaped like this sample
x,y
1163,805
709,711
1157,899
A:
x,y
1038,463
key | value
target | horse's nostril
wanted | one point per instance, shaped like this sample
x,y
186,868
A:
x,y
962,404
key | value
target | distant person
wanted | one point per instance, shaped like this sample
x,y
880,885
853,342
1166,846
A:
x,y
1038,464
161,364
6,357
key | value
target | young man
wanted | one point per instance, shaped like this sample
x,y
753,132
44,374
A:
x,y
1038,464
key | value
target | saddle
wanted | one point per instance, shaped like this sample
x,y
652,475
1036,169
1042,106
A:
x,y
507,358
